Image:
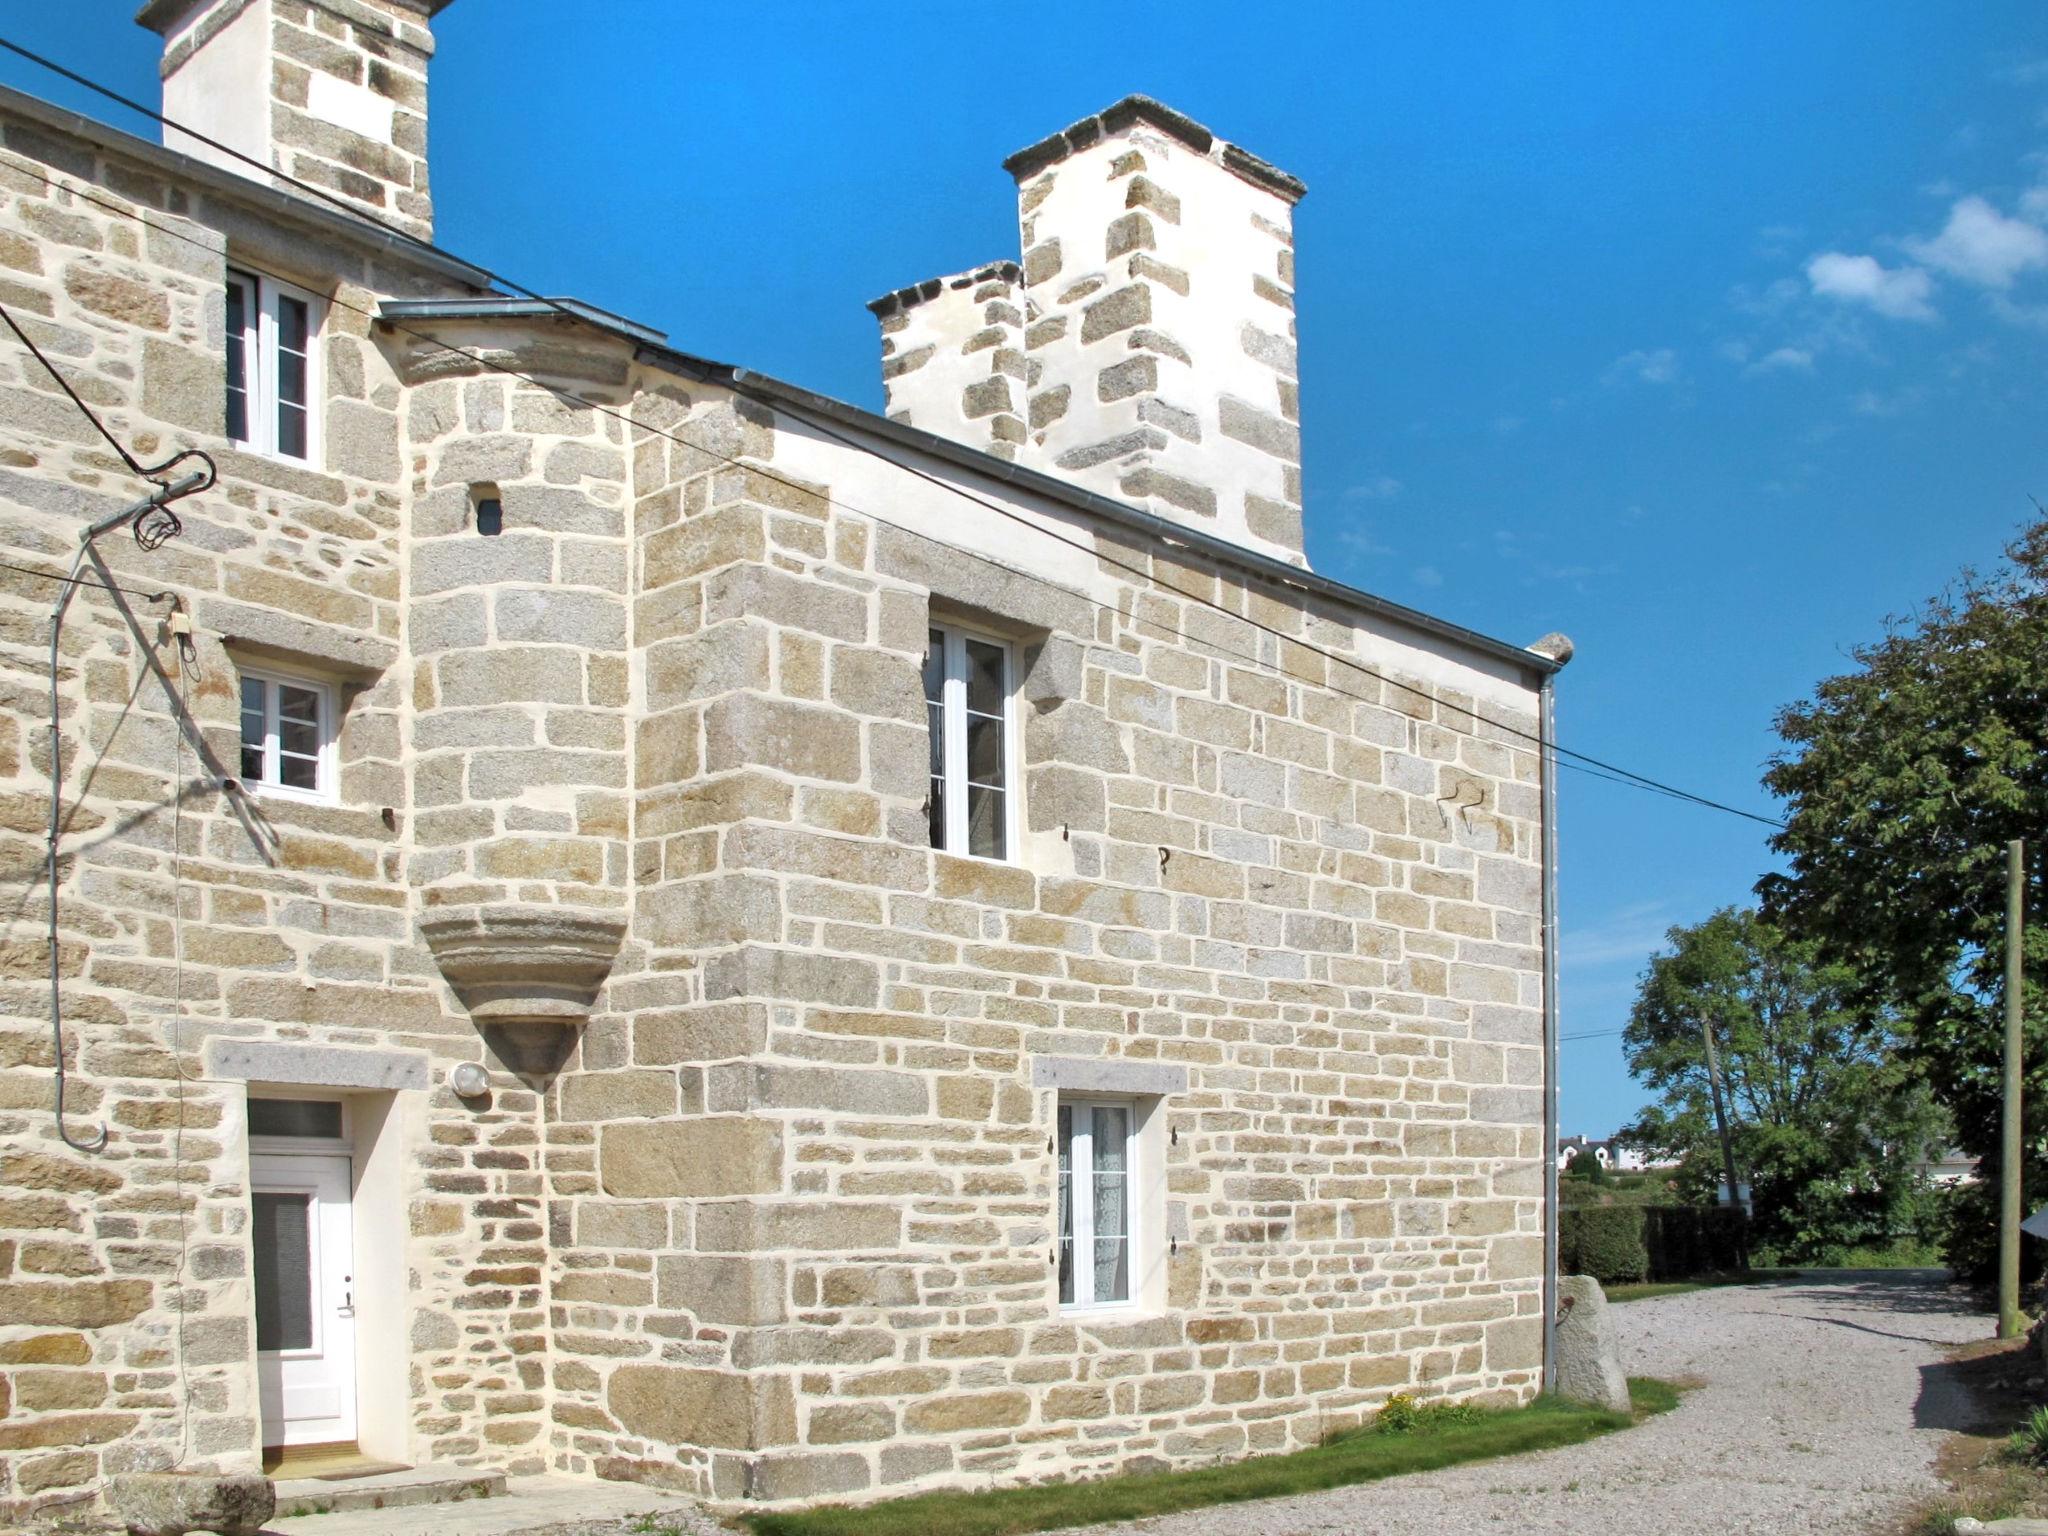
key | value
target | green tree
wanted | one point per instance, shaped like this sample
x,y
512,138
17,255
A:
x,y
1903,780
1828,1122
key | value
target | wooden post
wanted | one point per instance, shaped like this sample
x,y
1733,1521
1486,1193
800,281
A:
x,y
2010,1322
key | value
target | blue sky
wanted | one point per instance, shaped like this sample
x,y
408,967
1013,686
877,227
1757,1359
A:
x,y
1710,335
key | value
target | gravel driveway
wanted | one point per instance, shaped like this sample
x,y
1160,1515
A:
x,y
1819,1413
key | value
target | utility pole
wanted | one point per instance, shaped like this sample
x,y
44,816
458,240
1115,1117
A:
x,y
1720,1113
2010,1323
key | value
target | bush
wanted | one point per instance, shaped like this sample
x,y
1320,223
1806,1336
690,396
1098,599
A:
x,y
1625,1244
1604,1241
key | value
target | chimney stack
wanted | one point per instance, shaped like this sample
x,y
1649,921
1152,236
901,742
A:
x,y
1159,342
330,92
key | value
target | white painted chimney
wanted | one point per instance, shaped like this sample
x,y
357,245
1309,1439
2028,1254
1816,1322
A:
x,y
1159,340
331,92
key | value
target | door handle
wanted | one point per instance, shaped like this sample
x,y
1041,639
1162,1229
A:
x,y
348,1299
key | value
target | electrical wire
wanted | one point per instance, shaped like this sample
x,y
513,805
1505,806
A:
x,y
1597,767
81,581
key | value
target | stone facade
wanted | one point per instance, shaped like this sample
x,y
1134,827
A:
x,y
759,1198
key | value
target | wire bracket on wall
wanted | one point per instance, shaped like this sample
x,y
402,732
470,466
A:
x,y
153,523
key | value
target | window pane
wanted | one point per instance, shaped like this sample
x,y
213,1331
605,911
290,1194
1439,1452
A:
x,y
1112,1230
297,739
935,667
238,363
985,750
986,827
984,677
291,378
281,1238
298,772
935,720
291,430
292,325
295,1117
935,813
253,729
1066,1203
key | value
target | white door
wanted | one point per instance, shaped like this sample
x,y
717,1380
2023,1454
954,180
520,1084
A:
x,y
305,1315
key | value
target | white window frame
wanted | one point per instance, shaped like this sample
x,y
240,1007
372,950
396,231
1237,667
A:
x,y
261,296
953,718
1084,1209
326,775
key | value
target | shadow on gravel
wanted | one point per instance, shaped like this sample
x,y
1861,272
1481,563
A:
x,y
1882,1296
1984,1388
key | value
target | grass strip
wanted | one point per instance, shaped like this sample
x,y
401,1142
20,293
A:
x,y
1362,1456
1648,1290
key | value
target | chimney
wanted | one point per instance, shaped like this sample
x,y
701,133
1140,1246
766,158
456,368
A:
x,y
953,357
331,92
1159,342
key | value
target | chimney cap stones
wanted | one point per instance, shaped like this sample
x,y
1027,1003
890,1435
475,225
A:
x,y
1176,125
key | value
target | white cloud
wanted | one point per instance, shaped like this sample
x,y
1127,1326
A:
x,y
1783,360
1900,292
1644,367
1426,576
1629,935
1982,245
1871,402
1378,488
1360,539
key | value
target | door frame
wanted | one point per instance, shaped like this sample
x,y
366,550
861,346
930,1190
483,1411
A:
x,y
314,1167
380,1127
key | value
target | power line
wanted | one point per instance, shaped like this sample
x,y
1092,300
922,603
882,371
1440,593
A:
x,y
1595,767
80,581
1156,625
1627,774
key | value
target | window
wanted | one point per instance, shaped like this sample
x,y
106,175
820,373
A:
x,y
288,736
271,330
972,808
1097,1144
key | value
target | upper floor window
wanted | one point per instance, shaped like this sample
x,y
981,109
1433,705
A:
x,y
288,736
967,693
272,347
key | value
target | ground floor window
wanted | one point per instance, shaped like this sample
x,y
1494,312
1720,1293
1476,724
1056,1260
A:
x,y
288,729
1097,1142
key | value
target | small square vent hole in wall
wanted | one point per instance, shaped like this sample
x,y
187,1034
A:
x,y
487,510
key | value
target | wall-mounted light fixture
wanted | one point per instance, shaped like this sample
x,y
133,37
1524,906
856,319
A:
x,y
469,1081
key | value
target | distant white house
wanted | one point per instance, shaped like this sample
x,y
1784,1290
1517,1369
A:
x,y
1612,1154
1947,1168
1572,1148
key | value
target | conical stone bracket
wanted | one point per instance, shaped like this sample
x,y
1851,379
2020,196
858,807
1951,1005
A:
x,y
524,964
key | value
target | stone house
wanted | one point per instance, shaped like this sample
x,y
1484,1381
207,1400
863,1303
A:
x,y
616,916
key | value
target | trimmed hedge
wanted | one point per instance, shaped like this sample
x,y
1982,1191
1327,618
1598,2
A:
x,y
1624,1244
1604,1241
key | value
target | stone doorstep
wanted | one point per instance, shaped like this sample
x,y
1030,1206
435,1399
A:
x,y
526,1504
431,1483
